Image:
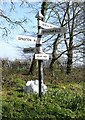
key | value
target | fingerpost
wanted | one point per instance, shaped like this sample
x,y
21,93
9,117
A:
x,y
39,17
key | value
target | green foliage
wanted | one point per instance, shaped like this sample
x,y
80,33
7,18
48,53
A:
x,y
61,102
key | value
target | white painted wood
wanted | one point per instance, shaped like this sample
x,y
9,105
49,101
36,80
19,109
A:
x,y
26,38
42,56
47,25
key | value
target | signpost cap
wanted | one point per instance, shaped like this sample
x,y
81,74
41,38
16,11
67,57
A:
x,y
39,14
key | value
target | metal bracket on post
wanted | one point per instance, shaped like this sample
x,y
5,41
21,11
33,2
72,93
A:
x,y
39,17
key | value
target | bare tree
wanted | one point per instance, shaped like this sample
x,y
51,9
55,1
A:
x,y
10,23
70,13
75,30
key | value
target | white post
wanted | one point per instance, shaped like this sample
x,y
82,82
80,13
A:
x,y
39,17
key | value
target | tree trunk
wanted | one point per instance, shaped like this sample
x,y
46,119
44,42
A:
x,y
54,55
33,67
69,62
70,53
70,47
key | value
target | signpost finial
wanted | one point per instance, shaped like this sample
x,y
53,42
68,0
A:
x,y
39,15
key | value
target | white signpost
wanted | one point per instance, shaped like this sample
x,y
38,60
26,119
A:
x,y
43,29
42,56
53,31
26,38
47,25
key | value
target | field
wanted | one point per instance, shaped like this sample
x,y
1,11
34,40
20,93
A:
x,y
64,100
